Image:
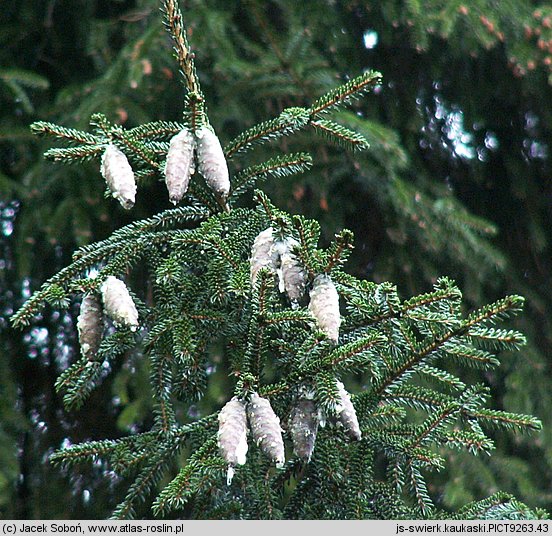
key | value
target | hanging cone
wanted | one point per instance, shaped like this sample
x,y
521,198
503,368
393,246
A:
x,y
324,305
180,165
90,326
119,176
212,163
303,427
347,414
232,435
265,428
118,303
292,275
263,254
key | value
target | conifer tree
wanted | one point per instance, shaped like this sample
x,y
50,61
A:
x,y
292,325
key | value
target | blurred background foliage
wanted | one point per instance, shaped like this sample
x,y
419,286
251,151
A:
x,y
457,182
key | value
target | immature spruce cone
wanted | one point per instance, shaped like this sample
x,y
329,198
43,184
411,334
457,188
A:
x,y
232,435
119,176
118,303
90,326
292,275
324,305
303,427
180,165
347,414
265,428
263,254
212,163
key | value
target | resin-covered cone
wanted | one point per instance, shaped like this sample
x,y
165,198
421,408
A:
x,y
291,273
324,305
212,163
119,176
180,165
303,427
118,303
232,434
90,326
347,414
265,428
263,254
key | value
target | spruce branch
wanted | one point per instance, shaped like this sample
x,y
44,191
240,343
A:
x,y
149,476
174,25
165,220
78,381
197,473
472,357
289,121
431,429
201,294
505,420
473,443
254,356
346,93
279,167
441,377
340,135
43,128
339,250
140,150
156,130
73,155
418,487
417,397
351,356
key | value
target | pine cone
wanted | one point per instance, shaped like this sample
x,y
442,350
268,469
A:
x,y
232,435
324,305
90,326
118,303
263,254
265,428
119,176
347,414
180,165
212,163
292,276
303,427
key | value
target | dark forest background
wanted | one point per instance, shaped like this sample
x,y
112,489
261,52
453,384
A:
x,y
457,182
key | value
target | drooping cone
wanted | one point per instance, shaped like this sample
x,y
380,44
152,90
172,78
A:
x,y
292,275
212,163
180,165
263,254
232,435
118,303
347,414
303,427
265,428
324,305
90,326
119,176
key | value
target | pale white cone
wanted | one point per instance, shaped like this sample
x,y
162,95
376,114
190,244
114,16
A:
x,y
232,435
212,163
118,303
265,428
347,414
263,254
179,166
119,176
324,305
292,276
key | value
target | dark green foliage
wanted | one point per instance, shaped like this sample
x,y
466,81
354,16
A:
x,y
189,268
